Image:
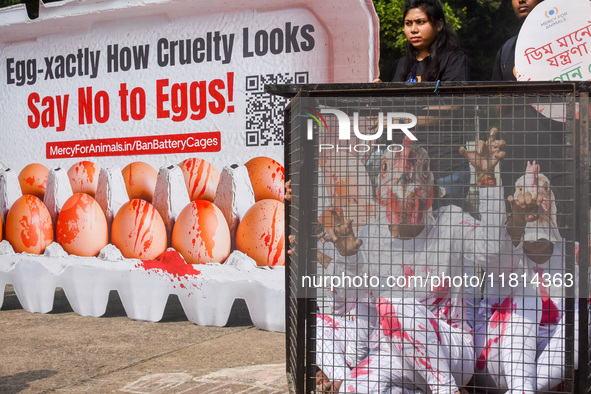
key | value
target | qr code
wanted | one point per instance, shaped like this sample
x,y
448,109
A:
x,y
264,112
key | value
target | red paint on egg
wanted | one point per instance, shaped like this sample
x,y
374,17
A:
x,y
28,225
29,232
201,178
260,234
33,179
201,233
138,230
84,177
267,177
140,180
207,219
81,226
70,214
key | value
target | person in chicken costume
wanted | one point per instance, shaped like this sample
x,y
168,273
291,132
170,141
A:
x,y
415,337
520,340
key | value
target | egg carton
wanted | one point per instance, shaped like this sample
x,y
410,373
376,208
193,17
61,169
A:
x,y
206,291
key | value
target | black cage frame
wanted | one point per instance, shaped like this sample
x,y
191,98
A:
x,y
301,166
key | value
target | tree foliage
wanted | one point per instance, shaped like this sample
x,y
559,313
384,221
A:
x,y
32,6
7,3
487,25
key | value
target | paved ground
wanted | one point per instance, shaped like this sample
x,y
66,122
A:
x,y
64,352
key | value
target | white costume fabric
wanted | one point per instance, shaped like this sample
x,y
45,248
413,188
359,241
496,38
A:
x,y
419,338
521,327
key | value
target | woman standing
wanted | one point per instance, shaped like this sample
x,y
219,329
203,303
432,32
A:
x,y
432,51
432,55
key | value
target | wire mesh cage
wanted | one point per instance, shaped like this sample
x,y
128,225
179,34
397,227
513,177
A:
x,y
439,238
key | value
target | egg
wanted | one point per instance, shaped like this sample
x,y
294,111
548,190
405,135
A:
x,y
267,178
201,178
201,233
138,231
84,177
81,226
33,179
261,233
140,180
28,225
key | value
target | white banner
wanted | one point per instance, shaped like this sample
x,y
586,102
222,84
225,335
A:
x,y
170,83
554,43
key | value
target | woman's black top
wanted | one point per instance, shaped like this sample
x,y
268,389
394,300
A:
x,y
453,67
443,137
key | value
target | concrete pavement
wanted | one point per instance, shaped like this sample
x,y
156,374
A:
x,y
63,352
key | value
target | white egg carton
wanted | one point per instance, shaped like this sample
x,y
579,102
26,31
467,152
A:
x,y
206,297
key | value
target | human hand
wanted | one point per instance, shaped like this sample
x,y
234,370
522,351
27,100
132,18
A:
x,y
287,196
343,237
486,156
524,208
324,385
292,244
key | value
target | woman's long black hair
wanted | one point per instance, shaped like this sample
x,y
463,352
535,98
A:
x,y
445,40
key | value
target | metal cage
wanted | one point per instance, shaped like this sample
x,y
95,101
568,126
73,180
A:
x,y
374,209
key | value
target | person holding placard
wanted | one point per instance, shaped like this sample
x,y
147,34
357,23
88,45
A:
x,y
529,134
504,66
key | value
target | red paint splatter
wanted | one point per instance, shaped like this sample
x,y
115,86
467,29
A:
x,y
275,246
195,169
30,180
131,175
408,271
501,315
392,328
31,222
89,169
329,320
144,226
69,222
481,362
550,313
171,262
208,223
29,232
361,369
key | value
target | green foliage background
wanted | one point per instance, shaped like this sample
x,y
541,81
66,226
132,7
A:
x,y
6,3
482,26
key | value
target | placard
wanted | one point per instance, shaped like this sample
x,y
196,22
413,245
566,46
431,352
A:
x,y
169,80
554,43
